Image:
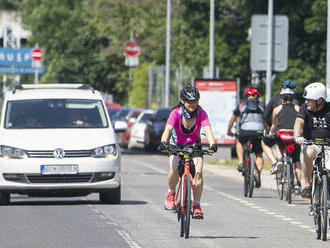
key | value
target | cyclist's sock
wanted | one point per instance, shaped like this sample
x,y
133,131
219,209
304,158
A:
x,y
170,191
299,184
196,203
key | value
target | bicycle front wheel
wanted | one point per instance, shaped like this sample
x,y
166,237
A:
x,y
324,207
315,205
251,179
187,206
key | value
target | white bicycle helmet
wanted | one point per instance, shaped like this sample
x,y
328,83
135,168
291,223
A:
x,y
315,91
287,92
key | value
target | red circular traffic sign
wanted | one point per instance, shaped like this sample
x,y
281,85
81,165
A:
x,y
37,54
132,49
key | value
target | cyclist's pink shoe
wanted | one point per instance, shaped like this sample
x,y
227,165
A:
x,y
169,202
198,213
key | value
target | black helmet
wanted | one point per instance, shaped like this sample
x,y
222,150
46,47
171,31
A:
x,y
189,93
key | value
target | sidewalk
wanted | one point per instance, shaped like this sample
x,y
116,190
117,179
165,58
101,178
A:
x,y
267,180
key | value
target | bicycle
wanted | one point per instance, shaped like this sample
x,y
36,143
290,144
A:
x,y
285,179
249,169
184,197
320,191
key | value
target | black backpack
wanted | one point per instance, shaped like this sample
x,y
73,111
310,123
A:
x,y
252,106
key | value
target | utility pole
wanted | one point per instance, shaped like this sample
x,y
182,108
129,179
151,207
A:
x,y
211,39
328,48
10,41
269,70
168,52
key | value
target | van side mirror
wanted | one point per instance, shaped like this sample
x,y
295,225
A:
x,y
120,126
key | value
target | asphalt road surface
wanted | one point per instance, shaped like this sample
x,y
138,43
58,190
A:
x,y
231,220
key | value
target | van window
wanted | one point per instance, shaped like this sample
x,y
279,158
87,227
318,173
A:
x,y
55,113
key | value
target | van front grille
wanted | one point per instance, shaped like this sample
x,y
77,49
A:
x,y
68,154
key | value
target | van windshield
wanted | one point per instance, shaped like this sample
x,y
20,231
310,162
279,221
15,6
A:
x,y
55,113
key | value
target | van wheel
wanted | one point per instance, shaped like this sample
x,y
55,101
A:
x,y
4,198
111,196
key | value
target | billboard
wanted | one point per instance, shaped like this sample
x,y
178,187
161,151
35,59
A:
x,y
218,99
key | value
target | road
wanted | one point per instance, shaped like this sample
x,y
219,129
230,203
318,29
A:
x,y
231,220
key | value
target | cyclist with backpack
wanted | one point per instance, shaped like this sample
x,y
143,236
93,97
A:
x,y
183,126
250,112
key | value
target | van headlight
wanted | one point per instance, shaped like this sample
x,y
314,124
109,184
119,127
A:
x,y
105,151
12,152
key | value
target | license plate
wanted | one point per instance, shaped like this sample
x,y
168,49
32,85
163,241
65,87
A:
x,y
59,169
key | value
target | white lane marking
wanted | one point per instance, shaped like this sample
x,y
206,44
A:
x,y
296,223
258,208
125,235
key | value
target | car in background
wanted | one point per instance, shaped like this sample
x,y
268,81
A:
x,y
139,136
57,140
113,108
129,115
155,127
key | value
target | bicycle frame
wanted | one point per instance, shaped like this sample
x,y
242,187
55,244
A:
x,y
181,187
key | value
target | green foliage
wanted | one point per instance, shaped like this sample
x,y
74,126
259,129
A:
x,y
84,40
139,92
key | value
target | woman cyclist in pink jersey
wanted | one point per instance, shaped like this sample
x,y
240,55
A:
x,y
184,124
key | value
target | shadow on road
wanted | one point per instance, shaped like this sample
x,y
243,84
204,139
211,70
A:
x,y
26,201
223,237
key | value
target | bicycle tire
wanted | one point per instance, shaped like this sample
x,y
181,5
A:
x,y
246,175
289,174
187,206
180,215
315,204
278,178
324,207
251,175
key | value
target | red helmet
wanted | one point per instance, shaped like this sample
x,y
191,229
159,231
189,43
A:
x,y
251,91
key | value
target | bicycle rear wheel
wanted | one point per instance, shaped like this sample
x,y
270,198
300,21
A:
x,y
279,185
246,175
324,207
251,178
187,206
289,182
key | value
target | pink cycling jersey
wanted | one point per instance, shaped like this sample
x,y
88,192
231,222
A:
x,y
175,120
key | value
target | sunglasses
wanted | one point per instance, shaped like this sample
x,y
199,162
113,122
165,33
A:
x,y
191,101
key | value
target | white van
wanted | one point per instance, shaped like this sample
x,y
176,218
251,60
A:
x,y
57,140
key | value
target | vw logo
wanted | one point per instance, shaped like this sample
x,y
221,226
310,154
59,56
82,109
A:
x,y
59,153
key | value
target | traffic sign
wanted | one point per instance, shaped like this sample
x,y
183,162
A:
x,y
132,49
37,54
259,43
15,57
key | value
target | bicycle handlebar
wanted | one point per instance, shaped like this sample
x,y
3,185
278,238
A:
x,y
189,151
321,142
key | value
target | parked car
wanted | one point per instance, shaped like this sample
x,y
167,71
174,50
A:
x,y
155,127
139,136
57,140
129,117
113,108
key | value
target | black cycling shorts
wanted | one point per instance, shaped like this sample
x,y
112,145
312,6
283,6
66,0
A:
x,y
244,137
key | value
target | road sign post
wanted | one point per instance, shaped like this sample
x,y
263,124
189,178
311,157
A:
x,y
37,56
269,55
